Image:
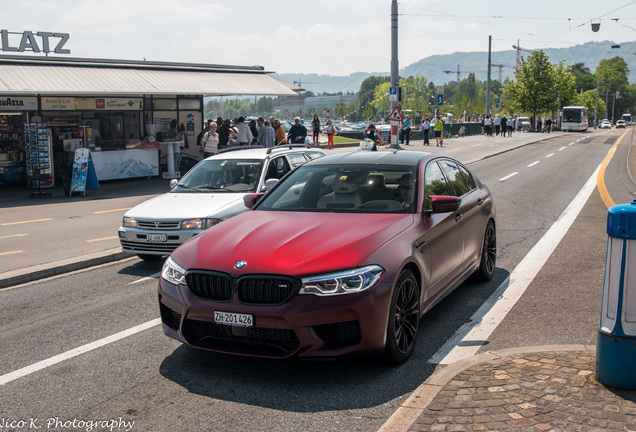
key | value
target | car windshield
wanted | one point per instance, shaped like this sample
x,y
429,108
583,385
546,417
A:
x,y
345,189
222,175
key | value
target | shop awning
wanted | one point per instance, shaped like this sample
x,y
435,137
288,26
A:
x,y
47,76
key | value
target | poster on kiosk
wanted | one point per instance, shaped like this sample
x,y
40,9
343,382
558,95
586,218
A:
x,y
84,176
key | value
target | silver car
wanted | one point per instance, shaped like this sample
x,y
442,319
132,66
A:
x,y
209,193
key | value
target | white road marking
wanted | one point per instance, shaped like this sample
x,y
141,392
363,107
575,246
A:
x,y
152,276
12,376
471,337
550,155
562,148
508,176
532,164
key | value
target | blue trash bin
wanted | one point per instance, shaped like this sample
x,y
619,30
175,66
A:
x,y
616,340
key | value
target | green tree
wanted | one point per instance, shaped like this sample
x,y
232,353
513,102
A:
x,y
588,99
564,88
612,78
583,78
533,88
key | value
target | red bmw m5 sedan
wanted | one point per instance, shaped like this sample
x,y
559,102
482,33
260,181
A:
x,y
342,256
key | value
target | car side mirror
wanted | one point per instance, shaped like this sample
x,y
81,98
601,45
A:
x,y
173,183
269,183
250,200
444,204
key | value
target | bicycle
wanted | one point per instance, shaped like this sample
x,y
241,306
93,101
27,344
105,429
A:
x,y
447,134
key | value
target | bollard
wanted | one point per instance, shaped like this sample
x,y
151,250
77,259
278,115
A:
x,y
616,341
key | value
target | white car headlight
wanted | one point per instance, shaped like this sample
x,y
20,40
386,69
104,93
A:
x,y
199,223
173,272
344,282
129,222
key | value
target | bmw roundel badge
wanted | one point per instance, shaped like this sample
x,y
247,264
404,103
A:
x,y
240,265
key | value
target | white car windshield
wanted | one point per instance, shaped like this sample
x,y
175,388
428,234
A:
x,y
222,175
345,189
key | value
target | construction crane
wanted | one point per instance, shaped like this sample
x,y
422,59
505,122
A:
x,y
459,72
500,66
299,83
519,49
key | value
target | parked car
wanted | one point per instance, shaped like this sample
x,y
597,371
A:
x,y
211,192
524,123
341,257
620,124
605,124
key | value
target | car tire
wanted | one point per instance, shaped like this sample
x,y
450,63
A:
x,y
150,258
404,319
488,260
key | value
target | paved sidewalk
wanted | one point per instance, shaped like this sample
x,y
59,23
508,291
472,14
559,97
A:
x,y
539,389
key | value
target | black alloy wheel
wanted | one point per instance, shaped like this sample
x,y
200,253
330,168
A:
x,y
488,254
404,319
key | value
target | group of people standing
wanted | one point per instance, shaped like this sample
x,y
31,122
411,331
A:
x,y
438,128
330,129
222,133
501,125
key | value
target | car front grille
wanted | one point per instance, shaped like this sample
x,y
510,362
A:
x,y
240,340
159,225
210,286
141,247
339,334
251,289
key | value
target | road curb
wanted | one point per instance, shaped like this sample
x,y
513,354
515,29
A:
x,y
408,413
42,271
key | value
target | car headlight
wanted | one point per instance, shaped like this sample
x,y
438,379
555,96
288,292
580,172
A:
x,y
199,223
344,282
129,222
173,272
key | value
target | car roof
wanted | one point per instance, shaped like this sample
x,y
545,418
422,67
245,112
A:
x,y
262,153
408,158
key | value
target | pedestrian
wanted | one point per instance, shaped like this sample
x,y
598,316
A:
x,y
504,126
267,135
488,125
298,133
497,125
405,131
232,140
245,135
223,130
315,127
331,130
374,135
426,127
253,130
511,125
548,125
539,124
210,140
439,130
281,135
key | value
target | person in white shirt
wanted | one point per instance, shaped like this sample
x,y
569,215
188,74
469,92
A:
x,y
245,136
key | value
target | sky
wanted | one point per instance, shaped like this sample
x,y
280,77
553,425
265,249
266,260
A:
x,y
333,37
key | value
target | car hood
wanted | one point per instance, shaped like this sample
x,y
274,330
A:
x,y
184,205
291,243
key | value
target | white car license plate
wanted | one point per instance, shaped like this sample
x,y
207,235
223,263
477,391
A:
x,y
157,237
234,319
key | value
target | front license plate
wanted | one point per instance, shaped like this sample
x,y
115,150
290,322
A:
x,y
234,319
157,237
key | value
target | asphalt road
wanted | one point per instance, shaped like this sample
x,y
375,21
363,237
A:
x,y
164,386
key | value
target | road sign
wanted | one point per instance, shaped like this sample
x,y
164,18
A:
x,y
439,90
396,115
393,94
440,99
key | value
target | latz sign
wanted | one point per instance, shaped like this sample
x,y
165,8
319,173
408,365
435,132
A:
x,y
48,42
396,115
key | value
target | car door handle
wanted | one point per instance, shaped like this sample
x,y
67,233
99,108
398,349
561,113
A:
x,y
458,217
480,201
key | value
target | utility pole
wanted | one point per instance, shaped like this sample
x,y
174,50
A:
x,y
596,105
488,83
395,70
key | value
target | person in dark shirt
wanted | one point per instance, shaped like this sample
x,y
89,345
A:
x,y
297,133
224,133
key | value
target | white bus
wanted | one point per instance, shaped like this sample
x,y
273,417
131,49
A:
x,y
574,118
628,118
